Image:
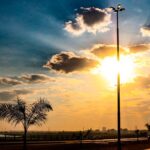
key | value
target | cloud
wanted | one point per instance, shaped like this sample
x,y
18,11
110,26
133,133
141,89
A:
x,y
103,51
143,82
145,30
69,62
10,95
139,83
9,81
35,78
89,20
24,79
139,48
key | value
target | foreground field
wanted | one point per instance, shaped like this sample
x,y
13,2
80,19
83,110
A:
x,y
141,145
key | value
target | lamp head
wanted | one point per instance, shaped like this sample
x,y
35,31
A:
x,y
113,8
119,6
122,9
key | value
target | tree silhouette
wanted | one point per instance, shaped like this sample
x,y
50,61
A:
x,y
137,131
147,126
27,115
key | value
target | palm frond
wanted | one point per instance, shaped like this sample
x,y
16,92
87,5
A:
x,y
38,119
6,110
13,113
41,105
10,113
38,112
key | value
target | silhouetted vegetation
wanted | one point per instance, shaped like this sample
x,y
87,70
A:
x,y
71,135
27,115
147,126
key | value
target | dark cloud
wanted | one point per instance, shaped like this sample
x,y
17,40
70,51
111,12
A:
x,y
139,48
35,78
145,30
69,62
10,95
103,51
9,81
89,19
24,79
92,15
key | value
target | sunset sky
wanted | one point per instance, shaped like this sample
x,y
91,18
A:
x,y
65,51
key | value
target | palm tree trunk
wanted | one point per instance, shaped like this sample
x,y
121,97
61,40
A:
x,y
25,139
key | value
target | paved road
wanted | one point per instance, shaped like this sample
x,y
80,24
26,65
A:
x,y
104,144
101,141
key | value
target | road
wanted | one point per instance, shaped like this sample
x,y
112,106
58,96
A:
x,y
104,144
100,141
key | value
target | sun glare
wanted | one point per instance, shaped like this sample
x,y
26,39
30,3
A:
x,y
109,68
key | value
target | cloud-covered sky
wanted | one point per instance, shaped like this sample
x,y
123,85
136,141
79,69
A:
x,y
145,30
50,48
89,20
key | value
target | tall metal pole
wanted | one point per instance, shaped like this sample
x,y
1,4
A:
x,y
118,86
119,8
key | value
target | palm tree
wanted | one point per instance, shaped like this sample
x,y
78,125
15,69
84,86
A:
x,y
27,115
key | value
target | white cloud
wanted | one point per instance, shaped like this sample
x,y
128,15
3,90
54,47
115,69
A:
x,y
145,30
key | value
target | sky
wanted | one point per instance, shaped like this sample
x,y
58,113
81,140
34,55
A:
x,y
65,51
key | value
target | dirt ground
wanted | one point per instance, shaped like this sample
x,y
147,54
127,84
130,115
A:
x,y
87,146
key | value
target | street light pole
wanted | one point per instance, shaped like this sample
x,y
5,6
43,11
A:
x,y
119,8
118,87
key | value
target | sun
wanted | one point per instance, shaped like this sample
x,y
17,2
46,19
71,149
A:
x,y
109,68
